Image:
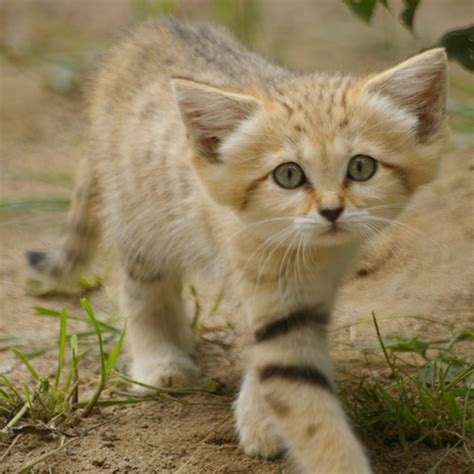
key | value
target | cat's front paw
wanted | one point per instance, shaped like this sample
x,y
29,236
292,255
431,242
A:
x,y
260,438
258,432
165,371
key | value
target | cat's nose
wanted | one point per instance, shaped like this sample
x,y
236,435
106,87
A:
x,y
331,214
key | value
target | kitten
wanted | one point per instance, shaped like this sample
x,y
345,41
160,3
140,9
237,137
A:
x,y
203,155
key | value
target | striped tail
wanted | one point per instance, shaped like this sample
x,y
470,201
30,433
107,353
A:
x,y
81,235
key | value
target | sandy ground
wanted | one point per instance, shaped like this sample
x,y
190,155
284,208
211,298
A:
x,y
426,271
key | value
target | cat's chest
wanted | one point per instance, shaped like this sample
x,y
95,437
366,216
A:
x,y
289,278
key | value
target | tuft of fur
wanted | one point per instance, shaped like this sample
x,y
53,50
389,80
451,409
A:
x,y
187,128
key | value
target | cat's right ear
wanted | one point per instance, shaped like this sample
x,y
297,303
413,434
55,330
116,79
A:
x,y
211,114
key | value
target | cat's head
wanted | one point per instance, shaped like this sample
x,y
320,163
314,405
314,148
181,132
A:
x,y
329,157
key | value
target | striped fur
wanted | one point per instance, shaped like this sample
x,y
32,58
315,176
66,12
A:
x,y
296,373
294,320
187,126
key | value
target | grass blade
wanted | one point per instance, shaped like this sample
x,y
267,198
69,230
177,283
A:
x,y
30,368
75,370
114,355
27,204
103,374
62,346
85,304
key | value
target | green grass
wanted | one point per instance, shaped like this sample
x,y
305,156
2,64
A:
x,y
29,204
52,404
425,395
46,399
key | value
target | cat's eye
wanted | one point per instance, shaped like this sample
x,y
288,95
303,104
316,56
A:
x,y
288,175
361,168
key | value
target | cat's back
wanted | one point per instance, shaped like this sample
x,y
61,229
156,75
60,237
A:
x,y
139,146
160,49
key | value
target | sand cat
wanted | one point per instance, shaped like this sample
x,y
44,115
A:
x,y
203,155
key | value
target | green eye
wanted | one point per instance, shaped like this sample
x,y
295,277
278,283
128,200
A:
x,y
289,175
361,168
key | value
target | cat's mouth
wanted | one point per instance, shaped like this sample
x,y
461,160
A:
x,y
334,230
324,233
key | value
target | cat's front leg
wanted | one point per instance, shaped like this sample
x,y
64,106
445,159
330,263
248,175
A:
x,y
259,433
294,377
159,337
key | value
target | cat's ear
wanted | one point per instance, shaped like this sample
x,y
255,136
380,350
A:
x,y
211,114
418,86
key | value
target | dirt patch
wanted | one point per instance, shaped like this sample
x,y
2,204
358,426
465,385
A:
x,y
424,267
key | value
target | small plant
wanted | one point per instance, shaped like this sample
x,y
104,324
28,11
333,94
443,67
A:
x,y
51,405
430,403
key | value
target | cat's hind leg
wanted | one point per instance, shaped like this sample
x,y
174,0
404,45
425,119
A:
x,y
159,336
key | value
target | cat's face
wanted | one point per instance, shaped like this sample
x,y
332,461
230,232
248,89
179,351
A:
x,y
320,160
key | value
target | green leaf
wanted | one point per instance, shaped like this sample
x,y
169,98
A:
x,y
27,392
62,346
46,312
406,344
452,407
447,370
40,311
364,9
27,204
73,370
74,349
114,354
85,304
408,14
30,368
459,46
8,384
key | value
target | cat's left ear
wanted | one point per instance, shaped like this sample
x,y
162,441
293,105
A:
x,y
418,86
211,114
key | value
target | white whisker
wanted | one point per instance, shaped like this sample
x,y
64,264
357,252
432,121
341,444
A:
x,y
261,247
261,268
416,232
282,264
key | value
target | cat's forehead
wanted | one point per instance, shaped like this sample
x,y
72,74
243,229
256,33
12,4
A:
x,y
316,116
315,104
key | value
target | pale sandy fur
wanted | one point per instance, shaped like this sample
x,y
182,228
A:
x,y
186,128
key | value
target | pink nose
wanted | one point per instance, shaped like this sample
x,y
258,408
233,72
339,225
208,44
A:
x,y
331,214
